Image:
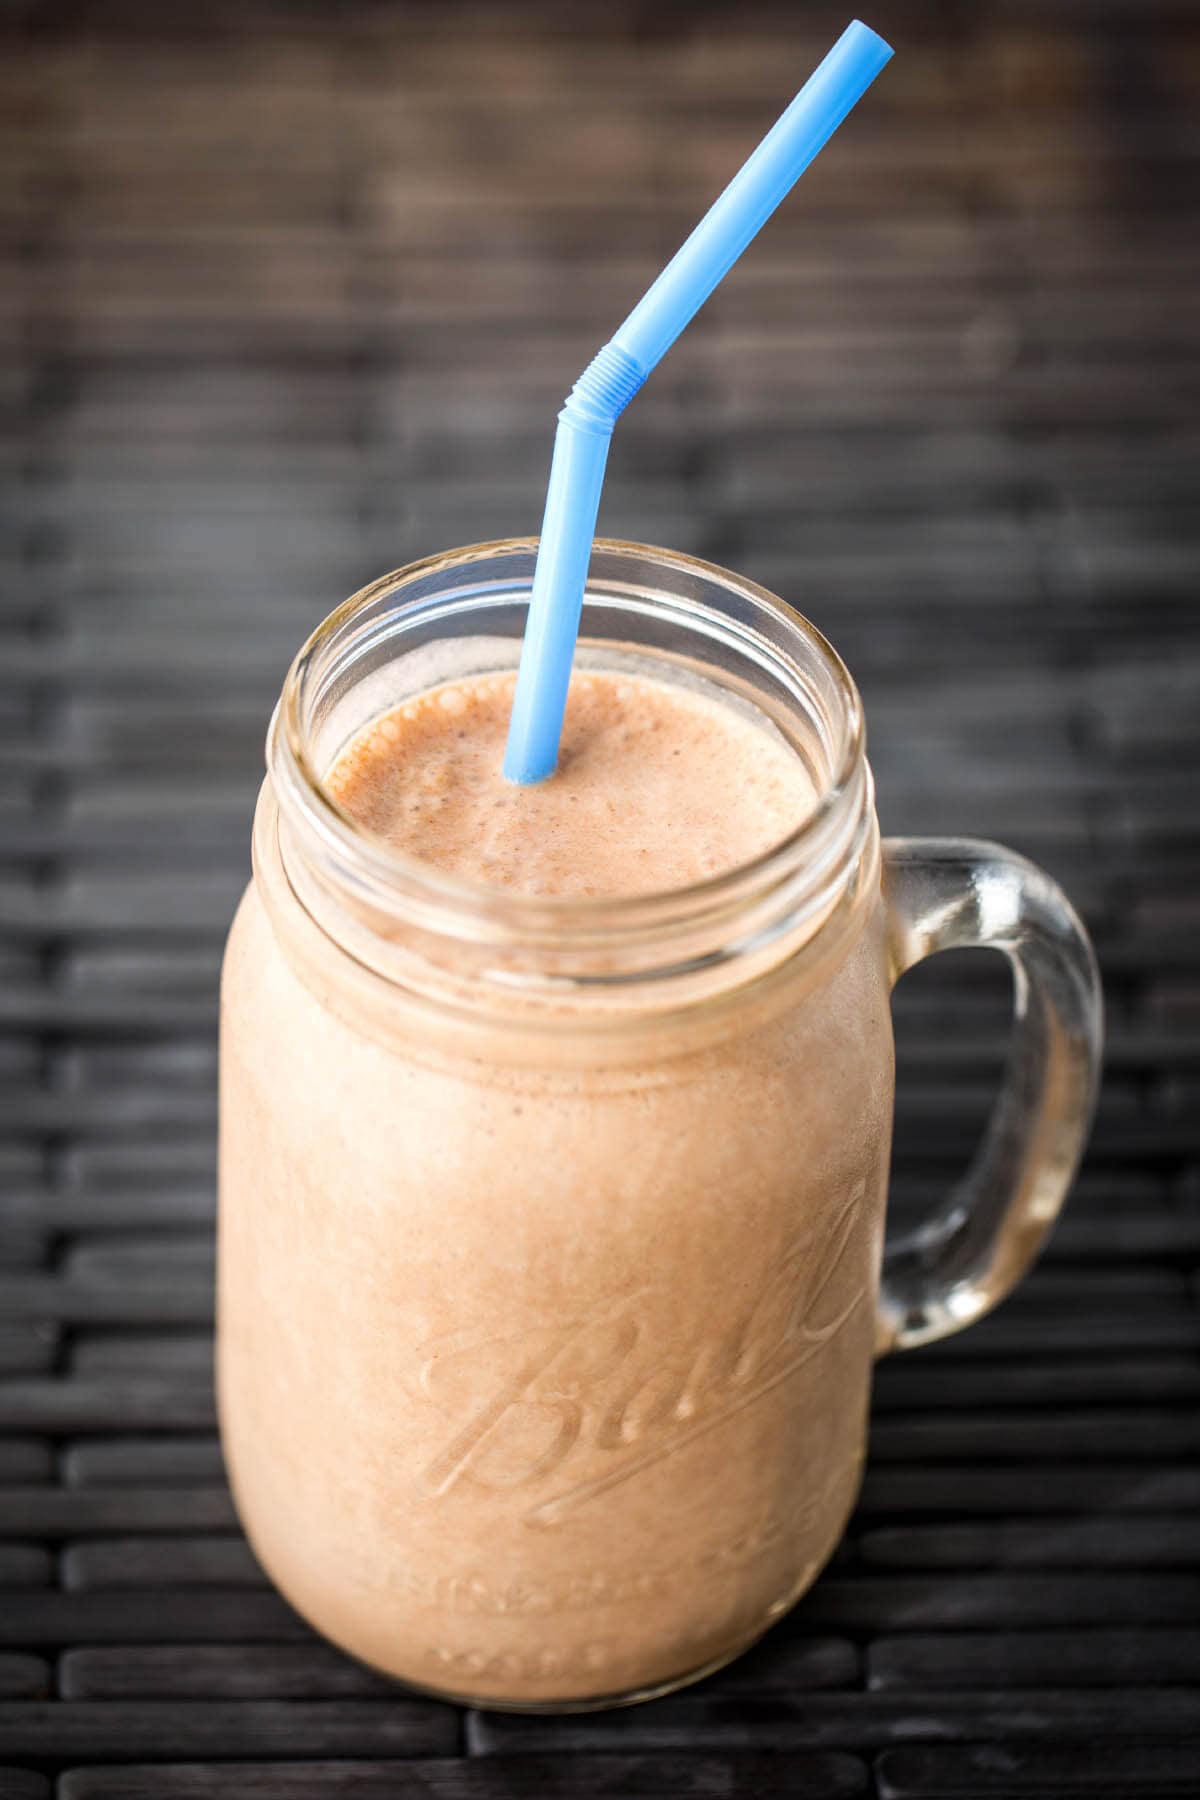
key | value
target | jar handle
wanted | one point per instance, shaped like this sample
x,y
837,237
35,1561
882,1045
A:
x,y
949,894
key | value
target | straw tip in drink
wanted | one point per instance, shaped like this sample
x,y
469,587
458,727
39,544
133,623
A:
x,y
523,771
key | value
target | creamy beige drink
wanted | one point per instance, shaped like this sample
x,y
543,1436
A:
x,y
555,1121
548,1382
657,787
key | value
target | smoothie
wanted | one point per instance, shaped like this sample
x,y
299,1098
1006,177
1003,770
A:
x,y
543,1382
656,788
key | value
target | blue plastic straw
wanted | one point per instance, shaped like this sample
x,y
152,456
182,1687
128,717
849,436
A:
x,y
614,376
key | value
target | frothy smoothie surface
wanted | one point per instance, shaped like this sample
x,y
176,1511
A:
x,y
657,787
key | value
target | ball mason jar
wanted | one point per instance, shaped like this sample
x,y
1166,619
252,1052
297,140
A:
x,y
552,1260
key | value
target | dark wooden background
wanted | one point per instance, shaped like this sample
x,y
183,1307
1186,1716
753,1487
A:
x,y
290,295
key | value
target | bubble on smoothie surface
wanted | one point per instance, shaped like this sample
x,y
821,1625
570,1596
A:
x,y
657,787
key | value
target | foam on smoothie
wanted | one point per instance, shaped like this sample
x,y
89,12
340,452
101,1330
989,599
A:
x,y
657,787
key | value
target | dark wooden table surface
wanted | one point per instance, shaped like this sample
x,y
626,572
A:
x,y
290,295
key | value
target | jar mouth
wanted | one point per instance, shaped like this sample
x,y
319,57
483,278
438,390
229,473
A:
x,y
753,623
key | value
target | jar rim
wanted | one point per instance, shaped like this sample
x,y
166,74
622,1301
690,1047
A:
x,y
386,867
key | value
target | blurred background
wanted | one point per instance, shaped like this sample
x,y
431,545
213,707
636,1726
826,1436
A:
x,y
291,294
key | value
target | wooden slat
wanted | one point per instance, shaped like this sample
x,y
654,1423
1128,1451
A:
x,y
24,1678
812,1775
118,1353
144,1301
139,1403
873,1720
25,1460
1050,1434
137,1562
949,1491
76,1730
145,1462
24,1566
166,1616
24,1784
1011,1599
928,1385
216,1672
258,1671
27,1348
1103,1543
1152,1771
127,1208
1095,1657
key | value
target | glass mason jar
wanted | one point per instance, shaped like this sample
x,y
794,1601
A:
x,y
552,1259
